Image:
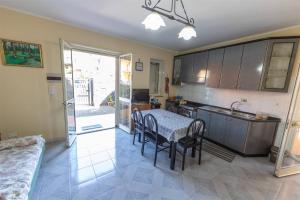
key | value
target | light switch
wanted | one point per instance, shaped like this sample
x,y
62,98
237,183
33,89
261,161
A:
x,y
51,90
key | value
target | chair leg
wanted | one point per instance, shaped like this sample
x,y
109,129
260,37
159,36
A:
x,y
143,145
155,157
183,159
200,150
170,150
139,137
133,138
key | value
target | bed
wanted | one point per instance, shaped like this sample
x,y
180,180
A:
x,y
20,160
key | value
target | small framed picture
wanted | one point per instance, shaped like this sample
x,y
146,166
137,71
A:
x,y
139,66
23,54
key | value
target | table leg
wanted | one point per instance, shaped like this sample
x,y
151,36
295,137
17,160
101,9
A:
x,y
173,156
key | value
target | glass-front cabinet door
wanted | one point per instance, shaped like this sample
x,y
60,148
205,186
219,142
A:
x,y
125,89
279,65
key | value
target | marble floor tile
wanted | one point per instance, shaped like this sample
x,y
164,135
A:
x,y
106,166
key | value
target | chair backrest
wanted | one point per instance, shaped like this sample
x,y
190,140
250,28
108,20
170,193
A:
x,y
138,119
150,125
184,112
172,109
196,129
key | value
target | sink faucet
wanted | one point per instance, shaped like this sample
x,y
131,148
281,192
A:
x,y
232,105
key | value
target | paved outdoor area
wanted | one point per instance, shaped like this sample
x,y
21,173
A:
x,y
91,118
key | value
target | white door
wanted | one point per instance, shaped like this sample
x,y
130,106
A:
x,y
68,85
125,90
288,162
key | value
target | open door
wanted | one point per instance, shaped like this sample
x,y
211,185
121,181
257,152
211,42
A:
x,y
125,90
68,86
288,162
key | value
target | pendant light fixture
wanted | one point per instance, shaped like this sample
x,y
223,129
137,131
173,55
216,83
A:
x,y
187,33
154,20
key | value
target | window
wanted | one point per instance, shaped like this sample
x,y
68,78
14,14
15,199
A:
x,y
156,72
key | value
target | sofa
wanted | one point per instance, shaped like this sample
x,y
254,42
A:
x,y
20,160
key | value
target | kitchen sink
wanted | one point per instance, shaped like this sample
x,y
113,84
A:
x,y
242,115
228,112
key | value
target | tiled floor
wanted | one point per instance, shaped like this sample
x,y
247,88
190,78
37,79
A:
x,y
105,165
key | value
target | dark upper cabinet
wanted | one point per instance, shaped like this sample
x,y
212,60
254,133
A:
x,y
187,68
253,62
214,67
279,66
200,67
231,66
176,77
264,65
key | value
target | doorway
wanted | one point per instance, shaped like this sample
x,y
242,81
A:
x,y
94,91
97,88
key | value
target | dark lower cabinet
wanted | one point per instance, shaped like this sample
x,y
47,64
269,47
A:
x,y
246,137
217,126
205,116
236,133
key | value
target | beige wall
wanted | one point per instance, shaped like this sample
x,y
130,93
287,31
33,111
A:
x,y
25,106
276,104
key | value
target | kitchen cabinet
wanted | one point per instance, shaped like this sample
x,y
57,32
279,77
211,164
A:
x,y
253,62
205,116
279,66
214,67
236,133
231,66
261,65
216,128
187,69
200,67
246,136
177,70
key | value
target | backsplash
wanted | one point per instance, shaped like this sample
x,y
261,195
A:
x,y
275,104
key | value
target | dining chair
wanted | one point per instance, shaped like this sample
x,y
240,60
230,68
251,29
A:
x,y
151,134
138,123
184,112
193,139
172,109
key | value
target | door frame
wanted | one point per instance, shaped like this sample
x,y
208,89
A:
x,y
289,170
117,90
89,49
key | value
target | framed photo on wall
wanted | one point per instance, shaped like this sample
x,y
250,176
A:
x,y
23,54
139,66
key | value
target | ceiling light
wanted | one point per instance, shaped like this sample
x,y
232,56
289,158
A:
x,y
153,21
187,33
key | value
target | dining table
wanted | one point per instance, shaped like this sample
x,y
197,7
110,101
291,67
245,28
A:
x,y
172,126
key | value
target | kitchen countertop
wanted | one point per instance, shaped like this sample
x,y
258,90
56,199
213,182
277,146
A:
x,y
225,111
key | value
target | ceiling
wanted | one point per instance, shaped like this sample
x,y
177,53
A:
x,y
215,20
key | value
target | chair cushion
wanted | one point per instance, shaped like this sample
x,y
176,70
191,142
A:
x,y
160,138
187,141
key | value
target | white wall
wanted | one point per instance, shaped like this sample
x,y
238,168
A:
x,y
25,106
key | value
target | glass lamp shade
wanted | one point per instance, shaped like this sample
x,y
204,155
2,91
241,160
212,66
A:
x,y
153,21
187,33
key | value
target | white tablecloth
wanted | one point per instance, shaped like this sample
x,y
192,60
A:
x,y
170,125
